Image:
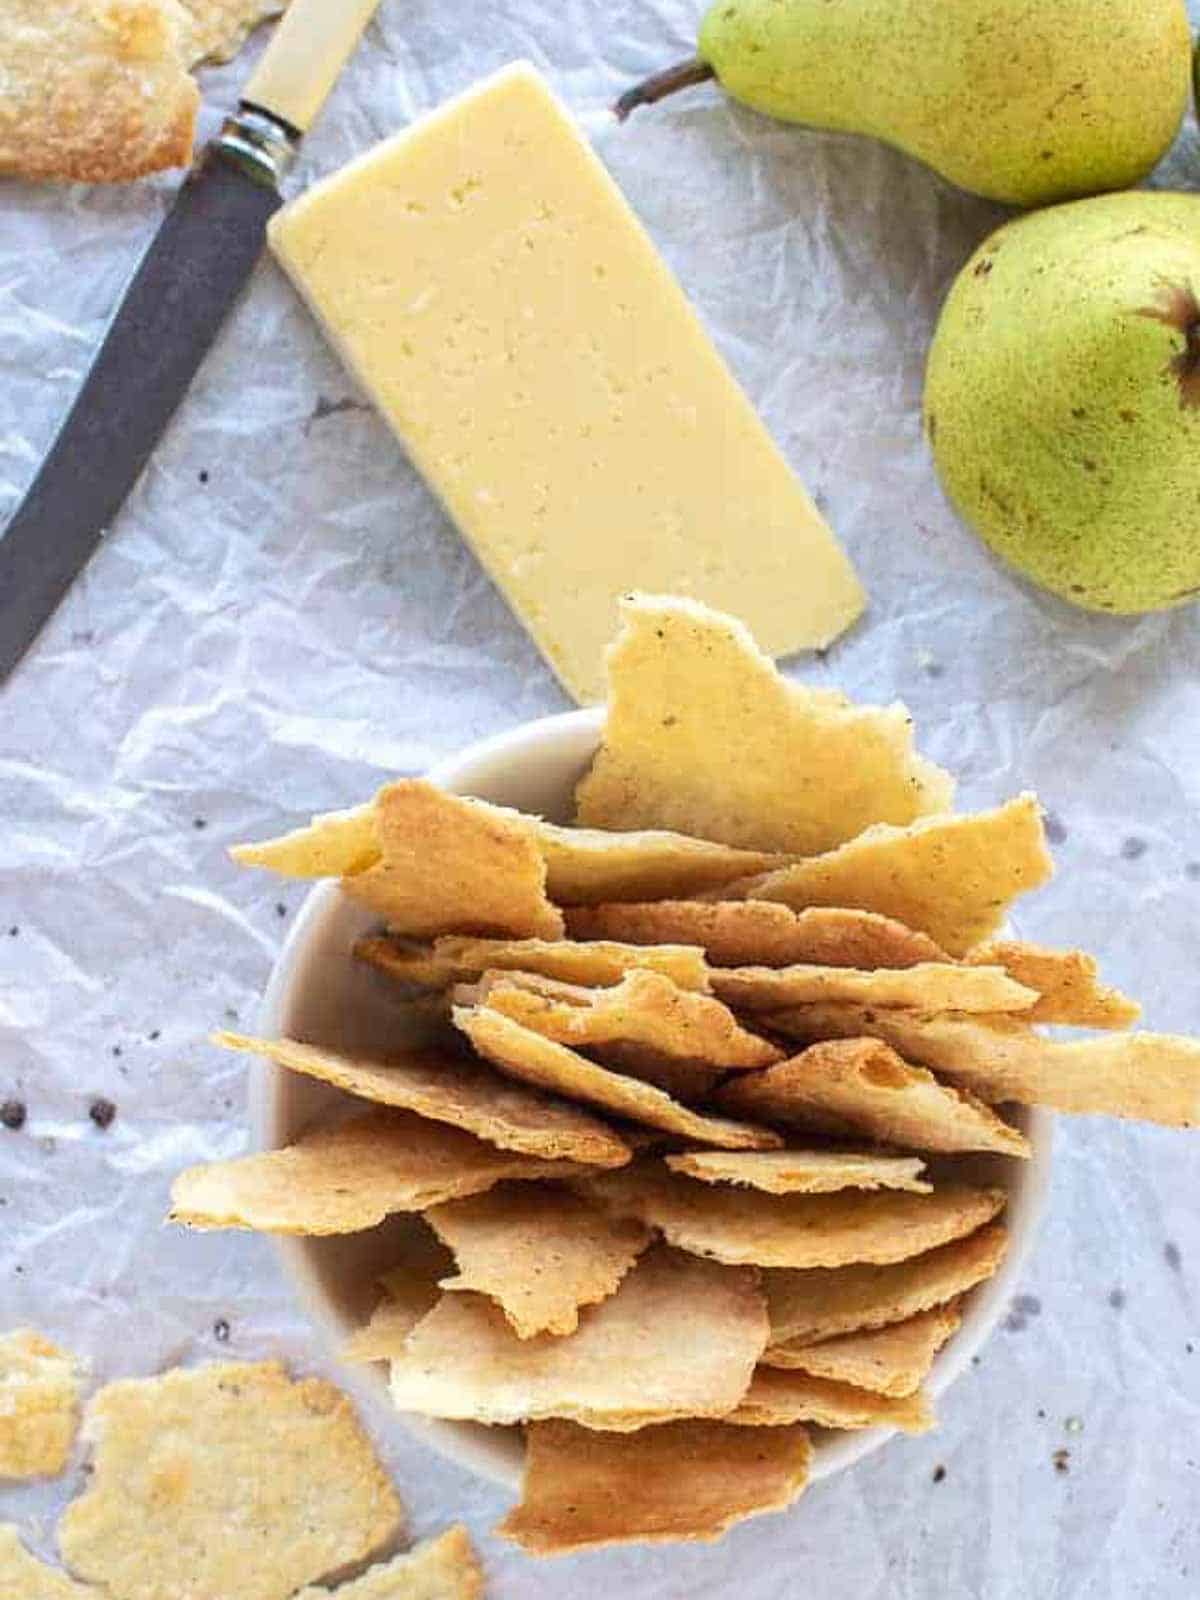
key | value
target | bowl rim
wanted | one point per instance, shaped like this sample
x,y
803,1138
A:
x,y
490,1452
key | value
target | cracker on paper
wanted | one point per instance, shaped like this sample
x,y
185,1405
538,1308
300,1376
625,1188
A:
x,y
893,1360
1152,1077
931,986
39,1403
445,1088
860,1087
803,1171
445,1568
24,1577
95,93
229,1479
740,1226
704,735
534,1059
822,1303
744,933
457,960
410,1291
953,878
644,1010
776,1398
335,844
219,28
1067,983
586,866
350,1177
539,1252
685,1480
450,865
679,1338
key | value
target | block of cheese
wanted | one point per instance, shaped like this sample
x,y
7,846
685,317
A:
x,y
486,281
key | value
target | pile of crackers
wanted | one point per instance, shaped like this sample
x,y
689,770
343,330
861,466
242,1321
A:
x,y
691,1095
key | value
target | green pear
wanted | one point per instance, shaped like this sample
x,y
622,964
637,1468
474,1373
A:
x,y
1062,398
1025,101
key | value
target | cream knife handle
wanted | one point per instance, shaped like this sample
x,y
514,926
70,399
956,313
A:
x,y
300,65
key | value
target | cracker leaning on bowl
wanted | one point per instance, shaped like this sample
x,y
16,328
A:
x,y
760,1004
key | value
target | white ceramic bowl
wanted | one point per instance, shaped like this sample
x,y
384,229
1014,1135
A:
x,y
320,994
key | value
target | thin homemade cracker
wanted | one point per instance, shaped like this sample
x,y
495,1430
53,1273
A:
x,y
446,1089
931,986
457,960
350,1177
411,1290
685,1480
855,1087
95,91
704,735
450,865
39,1405
1067,983
445,1568
219,28
227,1479
539,1252
588,866
806,1307
953,878
24,1577
893,1360
776,1399
803,1171
1152,1077
742,933
530,1057
744,1227
679,1338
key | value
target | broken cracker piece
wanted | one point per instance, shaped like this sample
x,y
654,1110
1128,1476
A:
x,y
893,1360
457,960
953,878
679,1338
803,1171
539,1252
24,1577
350,1177
410,1292
219,28
39,1404
446,1088
444,1568
931,986
704,735
684,1480
229,1479
530,1057
1067,983
855,1087
585,866
823,1302
776,1398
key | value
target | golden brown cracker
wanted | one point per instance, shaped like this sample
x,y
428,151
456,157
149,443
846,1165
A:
x,y
219,28
740,933
776,1398
953,878
457,960
350,1177
679,1338
704,735
685,1480
444,1088
802,1171
821,1230
893,1360
534,1059
227,1479
823,1302
444,1568
855,1087
410,1291
335,844
539,1252
931,986
95,92
587,866
1067,983
39,1405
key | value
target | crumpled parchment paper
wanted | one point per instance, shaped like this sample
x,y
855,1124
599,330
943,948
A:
x,y
281,617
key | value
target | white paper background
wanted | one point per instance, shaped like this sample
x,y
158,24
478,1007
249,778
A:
x,y
282,617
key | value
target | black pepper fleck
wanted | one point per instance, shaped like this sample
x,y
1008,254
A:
x,y
1172,1256
939,1474
116,1050
1056,830
154,1034
1061,1460
202,475
199,823
1192,870
1116,1299
13,931
1133,848
280,909
13,1114
221,1331
102,1112
1041,1414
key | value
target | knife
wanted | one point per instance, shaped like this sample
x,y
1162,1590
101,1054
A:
x,y
171,313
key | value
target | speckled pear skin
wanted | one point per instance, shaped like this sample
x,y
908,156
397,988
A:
x,y
1023,102
1062,398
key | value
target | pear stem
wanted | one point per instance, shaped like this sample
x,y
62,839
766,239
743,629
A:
x,y
660,84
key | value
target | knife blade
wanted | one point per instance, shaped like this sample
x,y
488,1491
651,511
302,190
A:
x,y
171,313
